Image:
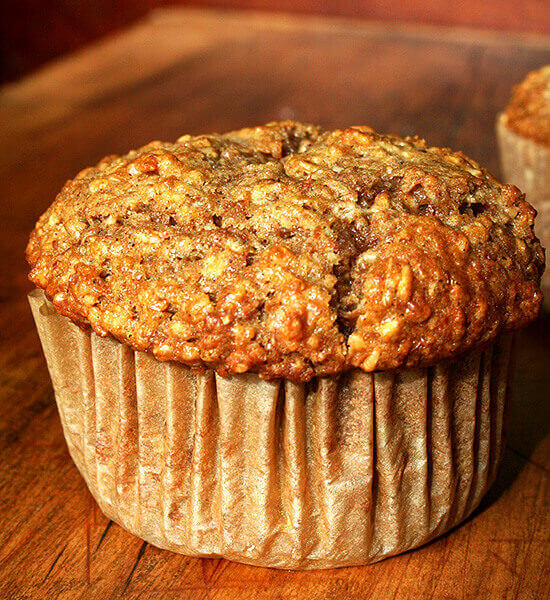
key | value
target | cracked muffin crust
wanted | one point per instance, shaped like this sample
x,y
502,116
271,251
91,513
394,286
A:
x,y
528,112
291,251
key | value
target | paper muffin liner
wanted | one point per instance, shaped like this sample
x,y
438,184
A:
x,y
526,163
338,471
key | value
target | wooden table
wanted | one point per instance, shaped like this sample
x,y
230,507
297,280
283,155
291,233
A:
x,y
187,71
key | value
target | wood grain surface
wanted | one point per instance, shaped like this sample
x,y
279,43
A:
x,y
33,31
185,71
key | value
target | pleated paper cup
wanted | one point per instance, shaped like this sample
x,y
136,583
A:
x,y
526,163
340,471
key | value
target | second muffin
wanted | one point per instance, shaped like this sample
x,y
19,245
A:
x,y
523,133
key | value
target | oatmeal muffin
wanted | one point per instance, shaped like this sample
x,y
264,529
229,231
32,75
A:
x,y
283,345
523,132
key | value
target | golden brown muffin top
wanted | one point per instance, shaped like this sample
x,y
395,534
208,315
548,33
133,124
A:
x,y
528,113
291,251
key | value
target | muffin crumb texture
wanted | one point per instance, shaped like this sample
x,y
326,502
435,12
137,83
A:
x,y
528,112
291,251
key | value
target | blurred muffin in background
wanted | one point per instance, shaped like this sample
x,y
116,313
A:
x,y
523,132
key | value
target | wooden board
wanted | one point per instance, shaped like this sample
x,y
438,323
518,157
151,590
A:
x,y
187,71
33,31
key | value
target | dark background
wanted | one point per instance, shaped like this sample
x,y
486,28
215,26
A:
x,y
33,32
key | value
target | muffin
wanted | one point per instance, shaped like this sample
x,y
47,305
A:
x,y
523,132
285,346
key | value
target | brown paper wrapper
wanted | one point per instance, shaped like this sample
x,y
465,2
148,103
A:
x,y
340,471
526,163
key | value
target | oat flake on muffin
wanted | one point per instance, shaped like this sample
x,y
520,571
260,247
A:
x,y
291,251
